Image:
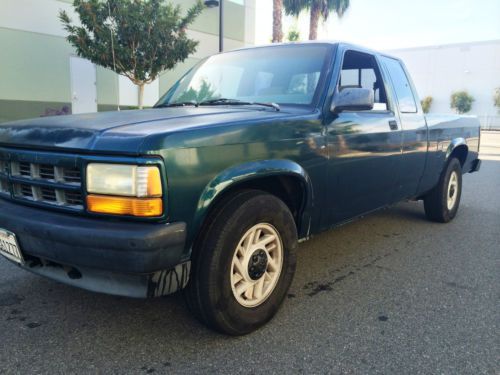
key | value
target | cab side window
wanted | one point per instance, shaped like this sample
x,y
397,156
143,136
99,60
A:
x,y
361,70
401,84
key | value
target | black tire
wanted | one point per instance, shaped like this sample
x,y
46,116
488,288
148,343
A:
x,y
209,293
436,201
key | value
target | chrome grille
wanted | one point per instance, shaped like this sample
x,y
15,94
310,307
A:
x,y
42,183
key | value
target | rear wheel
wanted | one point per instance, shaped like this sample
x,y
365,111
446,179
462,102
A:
x,y
243,263
441,203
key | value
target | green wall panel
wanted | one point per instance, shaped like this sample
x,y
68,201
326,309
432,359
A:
x,y
34,67
208,21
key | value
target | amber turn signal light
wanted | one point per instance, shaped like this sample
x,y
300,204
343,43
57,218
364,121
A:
x,y
140,207
154,183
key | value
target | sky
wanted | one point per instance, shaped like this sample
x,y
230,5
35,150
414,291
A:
x,y
394,24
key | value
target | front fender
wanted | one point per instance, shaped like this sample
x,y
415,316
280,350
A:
x,y
249,171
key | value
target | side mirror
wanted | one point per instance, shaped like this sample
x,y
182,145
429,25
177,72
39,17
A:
x,y
352,99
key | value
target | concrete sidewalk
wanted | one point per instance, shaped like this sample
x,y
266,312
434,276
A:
x,y
490,145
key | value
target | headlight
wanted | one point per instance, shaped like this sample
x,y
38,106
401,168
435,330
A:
x,y
124,180
122,189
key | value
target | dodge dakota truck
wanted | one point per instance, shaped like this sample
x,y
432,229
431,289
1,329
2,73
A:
x,y
251,152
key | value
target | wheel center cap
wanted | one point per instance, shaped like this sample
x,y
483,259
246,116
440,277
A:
x,y
257,264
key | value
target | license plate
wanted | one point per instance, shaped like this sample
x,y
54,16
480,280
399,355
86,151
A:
x,y
9,247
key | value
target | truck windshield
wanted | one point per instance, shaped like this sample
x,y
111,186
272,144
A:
x,y
282,74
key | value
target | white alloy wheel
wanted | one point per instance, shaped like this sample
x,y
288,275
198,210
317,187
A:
x,y
452,191
256,265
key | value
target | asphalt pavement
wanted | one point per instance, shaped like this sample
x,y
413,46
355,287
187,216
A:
x,y
389,294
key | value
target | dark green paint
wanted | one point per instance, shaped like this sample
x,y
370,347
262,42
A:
x,y
347,163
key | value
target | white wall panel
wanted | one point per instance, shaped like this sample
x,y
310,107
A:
x,y
34,15
128,92
438,71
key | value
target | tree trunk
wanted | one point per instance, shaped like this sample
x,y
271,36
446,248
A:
x,y
313,25
141,95
277,21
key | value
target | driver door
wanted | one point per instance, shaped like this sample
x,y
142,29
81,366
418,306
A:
x,y
364,146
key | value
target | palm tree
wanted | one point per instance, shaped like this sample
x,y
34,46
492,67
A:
x,y
277,25
317,9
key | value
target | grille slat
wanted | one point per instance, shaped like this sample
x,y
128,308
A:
x,y
4,167
72,175
24,190
46,172
24,169
48,194
4,187
73,197
59,188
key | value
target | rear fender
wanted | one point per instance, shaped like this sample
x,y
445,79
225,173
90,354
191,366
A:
x,y
459,148
454,144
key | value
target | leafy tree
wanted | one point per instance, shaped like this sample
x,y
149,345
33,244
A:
x,y
461,101
318,9
293,35
496,98
138,39
426,103
277,21
205,92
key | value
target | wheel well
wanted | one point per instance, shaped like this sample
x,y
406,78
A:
x,y
289,189
460,152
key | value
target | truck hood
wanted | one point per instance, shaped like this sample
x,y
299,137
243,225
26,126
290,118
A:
x,y
122,131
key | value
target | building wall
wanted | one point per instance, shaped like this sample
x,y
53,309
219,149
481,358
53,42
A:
x,y
35,57
438,71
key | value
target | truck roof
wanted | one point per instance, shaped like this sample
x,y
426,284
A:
x,y
336,43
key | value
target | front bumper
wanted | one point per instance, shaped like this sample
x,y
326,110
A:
x,y
109,256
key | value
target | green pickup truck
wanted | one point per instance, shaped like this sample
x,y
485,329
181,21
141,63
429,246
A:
x,y
210,191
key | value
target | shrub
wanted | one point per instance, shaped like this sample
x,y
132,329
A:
x,y
461,101
293,35
496,98
426,104
65,110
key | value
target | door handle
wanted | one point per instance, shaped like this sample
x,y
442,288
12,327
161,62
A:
x,y
393,125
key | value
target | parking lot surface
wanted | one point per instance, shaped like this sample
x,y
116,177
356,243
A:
x,y
391,293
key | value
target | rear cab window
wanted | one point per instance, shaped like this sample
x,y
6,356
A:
x,y
401,85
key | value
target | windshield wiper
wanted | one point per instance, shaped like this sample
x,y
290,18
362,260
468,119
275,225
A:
x,y
179,104
226,101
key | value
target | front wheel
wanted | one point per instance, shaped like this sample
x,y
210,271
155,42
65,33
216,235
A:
x,y
441,203
243,263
